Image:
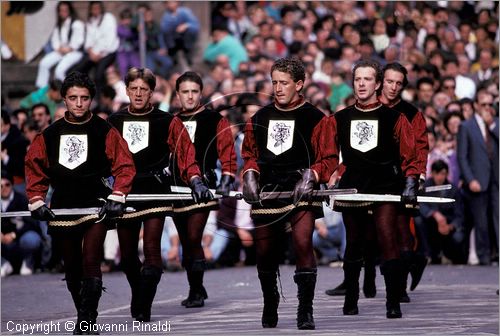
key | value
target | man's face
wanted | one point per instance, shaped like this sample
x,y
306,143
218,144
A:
x,y
77,101
6,188
484,105
139,93
365,85
439,177
392,85
285,89
40,116
425,93
189,95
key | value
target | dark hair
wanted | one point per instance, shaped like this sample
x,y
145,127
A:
x,y
141,73
292,66
91,3
44,106
5,117
399,68
369,64
108,91
424,80
55,84
450,115
438,166
78,79
72,12
189,76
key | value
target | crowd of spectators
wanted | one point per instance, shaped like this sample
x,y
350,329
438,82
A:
x,y
450,50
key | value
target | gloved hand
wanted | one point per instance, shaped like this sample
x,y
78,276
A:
x,y
409,195
251,187
225,185
114,207
304,188
41,212
199,191
421,185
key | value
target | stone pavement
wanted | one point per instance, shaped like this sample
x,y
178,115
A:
x,y
450,300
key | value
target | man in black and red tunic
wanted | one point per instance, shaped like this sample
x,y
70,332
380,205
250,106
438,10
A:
x,y
377,147
288,145
394,81
152,137
73,155
211,135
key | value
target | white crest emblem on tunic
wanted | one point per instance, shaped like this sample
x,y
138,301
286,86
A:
x,y
191,128
73,150
364,134
136,133
280,135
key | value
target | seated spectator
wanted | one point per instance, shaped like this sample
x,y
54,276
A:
x,y
49,95
21,237
13,150
226,45
41,115
329,236
127,55
101,42
440,226
66,42
180,29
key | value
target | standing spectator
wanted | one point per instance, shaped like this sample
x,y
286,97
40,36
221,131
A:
x,y
101,42
227,47
127,55
49,95
441,226
66,42
180,29
21,237
477,150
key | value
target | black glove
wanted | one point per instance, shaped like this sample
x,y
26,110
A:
x,y
112,209
304,188
224,187
251,187
409,195
199,191
43,213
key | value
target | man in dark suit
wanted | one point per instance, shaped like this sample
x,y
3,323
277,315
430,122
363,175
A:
x,y
477,150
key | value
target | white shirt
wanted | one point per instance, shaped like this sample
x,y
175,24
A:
x,y
102,36
60,36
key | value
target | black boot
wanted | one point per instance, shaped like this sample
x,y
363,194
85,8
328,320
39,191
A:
x,y
75,288
197,292
419,262
406,260
271,298
369,288
392,276
337,291
150,277
87,314
306,283
135,287
351,276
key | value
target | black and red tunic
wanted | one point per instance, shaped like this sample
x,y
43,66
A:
x,y
211,135
74,158
153,137
279,144
417,121
376,149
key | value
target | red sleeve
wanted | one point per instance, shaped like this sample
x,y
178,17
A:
x,y
403,133
249,151
225,147
122,162
421,141
180,144
325,149
36,165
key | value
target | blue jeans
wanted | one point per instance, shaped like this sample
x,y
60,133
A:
x,y
24,248
333,245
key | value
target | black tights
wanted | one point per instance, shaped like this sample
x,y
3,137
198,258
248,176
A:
x,y
128,236
406,239
190,228
357,223
82,252
266,235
